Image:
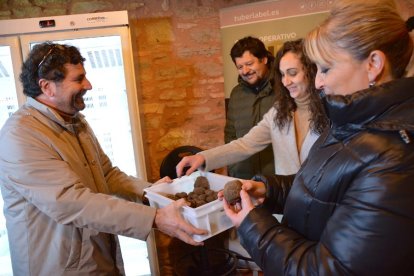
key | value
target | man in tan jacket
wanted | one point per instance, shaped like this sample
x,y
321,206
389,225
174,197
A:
x,y
64,202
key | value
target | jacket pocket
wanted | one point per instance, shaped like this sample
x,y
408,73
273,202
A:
x,y
75,247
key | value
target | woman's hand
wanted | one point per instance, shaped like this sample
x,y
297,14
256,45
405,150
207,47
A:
x,y
256,189
192,161
239,211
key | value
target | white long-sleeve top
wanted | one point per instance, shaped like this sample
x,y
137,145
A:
x,y
287,158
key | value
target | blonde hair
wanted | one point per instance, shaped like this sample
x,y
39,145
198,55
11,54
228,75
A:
x,y
360,27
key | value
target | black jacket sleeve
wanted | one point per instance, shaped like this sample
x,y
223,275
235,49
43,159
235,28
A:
x,y
267,248
277,189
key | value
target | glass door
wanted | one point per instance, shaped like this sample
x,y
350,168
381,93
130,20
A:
x,y
10,97
111,109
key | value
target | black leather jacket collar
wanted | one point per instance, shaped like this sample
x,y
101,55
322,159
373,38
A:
x,y
372,108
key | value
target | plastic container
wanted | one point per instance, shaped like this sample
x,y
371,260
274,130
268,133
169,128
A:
x,y
209,216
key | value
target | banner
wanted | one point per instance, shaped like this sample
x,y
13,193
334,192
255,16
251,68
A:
x,y
273,22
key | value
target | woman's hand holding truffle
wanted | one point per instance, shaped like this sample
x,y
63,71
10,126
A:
x,y
256,189
238,216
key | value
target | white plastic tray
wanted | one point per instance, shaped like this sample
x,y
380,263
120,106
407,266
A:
x,y
209,216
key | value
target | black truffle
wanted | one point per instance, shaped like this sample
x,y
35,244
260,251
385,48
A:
x,y
232,190
200,195
201,182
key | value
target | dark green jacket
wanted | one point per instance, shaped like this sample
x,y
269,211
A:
x,y
246,108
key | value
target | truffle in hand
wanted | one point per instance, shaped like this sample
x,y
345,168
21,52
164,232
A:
x,y
232,190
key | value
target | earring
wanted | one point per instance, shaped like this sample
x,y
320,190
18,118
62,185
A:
x,y
371,84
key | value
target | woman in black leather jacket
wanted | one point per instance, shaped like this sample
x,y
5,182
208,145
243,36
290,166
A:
x,y
350,209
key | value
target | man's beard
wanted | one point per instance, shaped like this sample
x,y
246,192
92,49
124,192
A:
x,y
78,102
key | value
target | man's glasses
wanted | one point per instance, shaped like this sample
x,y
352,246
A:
x,y
60,47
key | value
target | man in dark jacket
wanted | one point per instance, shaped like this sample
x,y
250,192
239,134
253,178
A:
x,y
249,100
